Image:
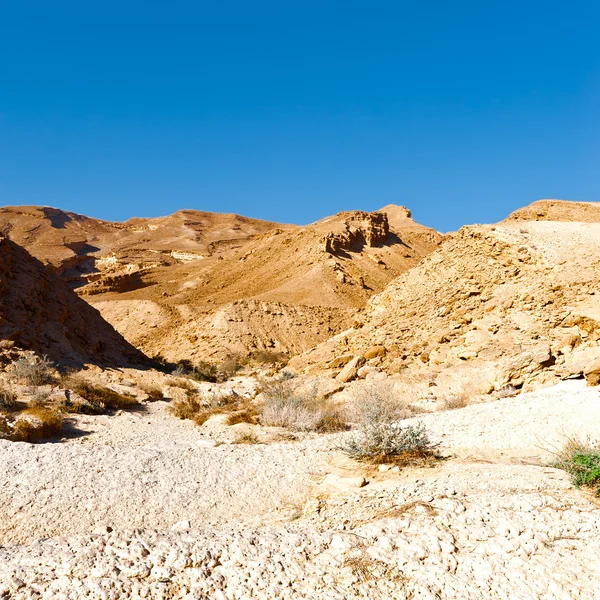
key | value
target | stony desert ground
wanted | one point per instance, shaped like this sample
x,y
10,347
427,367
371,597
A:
x,y
231,472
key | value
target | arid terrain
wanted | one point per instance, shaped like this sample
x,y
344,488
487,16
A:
x,y
207,406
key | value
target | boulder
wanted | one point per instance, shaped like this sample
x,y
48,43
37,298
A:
x,y
350,371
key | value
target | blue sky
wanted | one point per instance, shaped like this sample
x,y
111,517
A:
x,y
292,111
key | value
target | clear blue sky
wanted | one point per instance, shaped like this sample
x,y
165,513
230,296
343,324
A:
x,y
291,111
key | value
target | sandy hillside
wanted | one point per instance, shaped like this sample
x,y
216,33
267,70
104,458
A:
x,y
501,305
39,312
285,290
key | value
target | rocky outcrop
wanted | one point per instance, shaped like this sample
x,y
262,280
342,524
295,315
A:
x,y
359,229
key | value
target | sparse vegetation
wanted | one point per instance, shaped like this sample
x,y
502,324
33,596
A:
x,y
508,391
270,357
154,392
31,425
98,399
246,437
456,401
8,399
581,459
379,436
34,370
199,408
299,408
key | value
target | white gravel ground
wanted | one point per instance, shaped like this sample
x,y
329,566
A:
x,y
469,528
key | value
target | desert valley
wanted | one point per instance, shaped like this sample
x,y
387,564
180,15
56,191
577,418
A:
x,y
210,406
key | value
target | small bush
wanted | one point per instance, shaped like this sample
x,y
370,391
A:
x,y
8,399
201,371
33,370
199,408
379,436
269,357
98,399
246,437
154,392
385,442
508,391
228,368
32,425
288,405
455,402
582,461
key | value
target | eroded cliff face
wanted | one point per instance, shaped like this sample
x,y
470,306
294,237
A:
x,y
39,312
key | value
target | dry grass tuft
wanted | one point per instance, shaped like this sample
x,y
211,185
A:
x,y
32,425
154,392
365,568
246,437
8,399
199,408
298,408
98,399
455,402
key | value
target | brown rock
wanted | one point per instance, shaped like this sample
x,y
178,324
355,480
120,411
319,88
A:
x,y
350,371
374,352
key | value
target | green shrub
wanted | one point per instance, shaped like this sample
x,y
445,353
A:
x,y
581,459
379,436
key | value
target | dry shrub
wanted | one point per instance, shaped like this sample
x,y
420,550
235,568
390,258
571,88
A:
x,y
379,436
34,370
246,437
184,384
229,367
153,391
456,401
508,391
299,408
98,399
6,344
270,357
199,408
8,399
32,425
201,371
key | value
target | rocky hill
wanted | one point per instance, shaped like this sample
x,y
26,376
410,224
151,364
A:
x,y
558,210
172,285
81,248
514,305
298,286
39,312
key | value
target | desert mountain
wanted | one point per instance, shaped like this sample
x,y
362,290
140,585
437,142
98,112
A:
x,y
39,312
80,248
286,290
493,306
198,284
